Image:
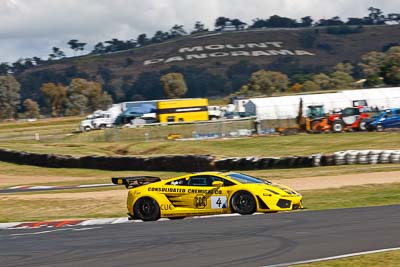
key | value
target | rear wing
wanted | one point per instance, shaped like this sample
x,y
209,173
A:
x,y
135,181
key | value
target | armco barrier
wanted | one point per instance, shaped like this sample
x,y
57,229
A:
x,y
195,163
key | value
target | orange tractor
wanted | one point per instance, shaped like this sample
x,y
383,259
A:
x,y
317,121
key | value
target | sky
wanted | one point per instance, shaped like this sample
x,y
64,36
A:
x,y
31,28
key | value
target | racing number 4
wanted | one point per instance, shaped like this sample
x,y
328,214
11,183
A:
x,y
218,202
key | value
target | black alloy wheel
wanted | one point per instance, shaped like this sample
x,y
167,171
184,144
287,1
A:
x,y
244,203
147,209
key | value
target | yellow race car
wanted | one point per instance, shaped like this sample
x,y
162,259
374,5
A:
x,y
205,193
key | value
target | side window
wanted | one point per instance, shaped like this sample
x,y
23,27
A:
x,y
207,180
199,181
182,181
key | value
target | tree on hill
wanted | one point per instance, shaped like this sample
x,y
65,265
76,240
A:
x,y
376,16
85,96
276,21
9,96
142,40
76,45
57,53
177,30
322,80
160,37
99,48
335,21
306,21
264,82
371,64
4,68
199,27
220,22
32,109
391,66
56,96
238,23
344,67
174,85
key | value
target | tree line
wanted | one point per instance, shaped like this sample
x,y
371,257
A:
x,y
244,79
337,26
77,98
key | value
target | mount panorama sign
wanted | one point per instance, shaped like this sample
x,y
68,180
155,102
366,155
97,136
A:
x,y
230,50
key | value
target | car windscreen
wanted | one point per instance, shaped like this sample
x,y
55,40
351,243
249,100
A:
x,y
245,179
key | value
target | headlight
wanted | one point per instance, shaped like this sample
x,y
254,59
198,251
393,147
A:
x,y
272,191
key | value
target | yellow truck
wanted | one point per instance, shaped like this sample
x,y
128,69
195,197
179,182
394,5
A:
x,y
179,110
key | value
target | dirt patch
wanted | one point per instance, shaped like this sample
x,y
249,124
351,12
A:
x,y
9,180
108,194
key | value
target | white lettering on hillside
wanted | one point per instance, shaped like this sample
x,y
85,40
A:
x,y
226,51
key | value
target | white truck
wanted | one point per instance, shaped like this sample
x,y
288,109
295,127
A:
x,y
101,119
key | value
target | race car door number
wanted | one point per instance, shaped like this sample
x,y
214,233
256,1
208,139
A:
x,y
218,202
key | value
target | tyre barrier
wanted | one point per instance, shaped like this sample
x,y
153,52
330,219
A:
x,y
196,163
366,157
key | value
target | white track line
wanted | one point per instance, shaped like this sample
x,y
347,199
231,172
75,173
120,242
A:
x,y
333,257
42,232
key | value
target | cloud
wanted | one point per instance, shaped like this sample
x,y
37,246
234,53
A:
x,y
30,28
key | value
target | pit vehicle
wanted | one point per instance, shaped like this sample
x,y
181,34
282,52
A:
x,y
389,118
315,120
349,118
205,193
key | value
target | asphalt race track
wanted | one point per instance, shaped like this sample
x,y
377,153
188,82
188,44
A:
x,y
256,240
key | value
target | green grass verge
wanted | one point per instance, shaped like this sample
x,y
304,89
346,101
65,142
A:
x,y
352,196
70,176
302,144
383,259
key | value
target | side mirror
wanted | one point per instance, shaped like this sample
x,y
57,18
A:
x,y
217,183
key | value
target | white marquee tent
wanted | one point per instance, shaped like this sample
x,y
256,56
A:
x,y
286,107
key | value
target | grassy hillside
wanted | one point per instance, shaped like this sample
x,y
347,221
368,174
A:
x,y
343,47
118,71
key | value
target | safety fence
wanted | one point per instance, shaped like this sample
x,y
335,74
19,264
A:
x,y
194,163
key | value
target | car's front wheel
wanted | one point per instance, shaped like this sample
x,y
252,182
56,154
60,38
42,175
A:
x,y
379,128
244,203
147,209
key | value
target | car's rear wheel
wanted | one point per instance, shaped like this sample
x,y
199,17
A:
x,y
244,203
379,128
147,209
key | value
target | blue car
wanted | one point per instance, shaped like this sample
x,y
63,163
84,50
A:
x,y
390,118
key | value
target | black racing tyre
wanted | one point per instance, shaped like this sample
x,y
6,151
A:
x,y
379,128
177,218
103,126
244,203
337,127
362,126
147,209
